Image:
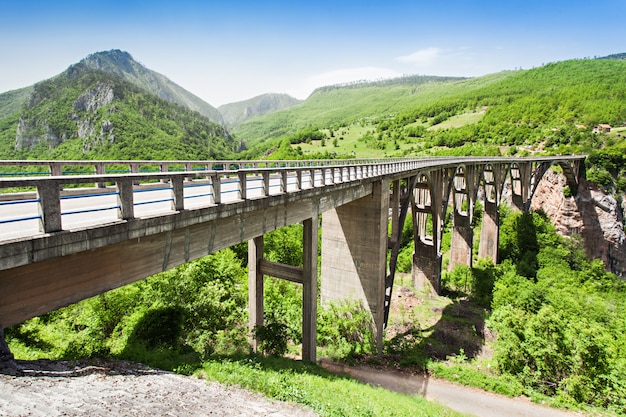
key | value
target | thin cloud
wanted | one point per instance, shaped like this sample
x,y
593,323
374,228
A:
x,y
423,57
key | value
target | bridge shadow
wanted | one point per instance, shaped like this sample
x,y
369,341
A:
x,y
459,334
81,368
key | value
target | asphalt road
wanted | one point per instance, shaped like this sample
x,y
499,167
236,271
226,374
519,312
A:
x,y
460,398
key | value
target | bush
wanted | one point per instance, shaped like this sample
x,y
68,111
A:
x,y
346,329
271,338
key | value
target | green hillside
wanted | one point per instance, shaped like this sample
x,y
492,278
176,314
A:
x,y
550,109
343,105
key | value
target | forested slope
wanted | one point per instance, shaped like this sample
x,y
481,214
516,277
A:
x,y
90,114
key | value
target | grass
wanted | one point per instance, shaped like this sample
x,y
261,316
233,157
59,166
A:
x,y
318,389
459,120
348,143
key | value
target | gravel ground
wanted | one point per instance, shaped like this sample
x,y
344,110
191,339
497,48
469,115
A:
x,y
120,388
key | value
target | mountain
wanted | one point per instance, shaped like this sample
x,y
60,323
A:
x,y
620,56
122,64
544,108
108,107
13,101
236,113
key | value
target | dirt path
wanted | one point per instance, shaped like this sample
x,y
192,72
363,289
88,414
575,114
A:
x,y
460,398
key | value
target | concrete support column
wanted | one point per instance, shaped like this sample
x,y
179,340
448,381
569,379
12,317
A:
x,y
309,290
494,177
255,287
489,232
429,211
354,252
462,244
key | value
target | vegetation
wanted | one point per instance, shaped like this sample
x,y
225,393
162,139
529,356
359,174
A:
x,y
325,393
552,318
66,117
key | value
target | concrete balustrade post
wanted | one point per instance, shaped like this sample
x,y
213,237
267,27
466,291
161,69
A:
x,y
298,180
266,183
56,169
163,168
243,186
126,208
48,193
284,181
134,169
99,169
178,193
216,185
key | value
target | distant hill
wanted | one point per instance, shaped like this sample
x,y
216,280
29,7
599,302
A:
x,y
620,56
236,113
551,108
341,105
109,107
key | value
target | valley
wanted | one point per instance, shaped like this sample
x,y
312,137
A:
x,y
546,322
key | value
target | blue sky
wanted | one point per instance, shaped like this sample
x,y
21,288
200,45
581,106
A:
x,y
234,50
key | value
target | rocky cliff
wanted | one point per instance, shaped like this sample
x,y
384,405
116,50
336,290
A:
x,y
596,216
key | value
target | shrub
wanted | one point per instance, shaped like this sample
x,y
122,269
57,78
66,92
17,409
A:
x,y
345,329
271,338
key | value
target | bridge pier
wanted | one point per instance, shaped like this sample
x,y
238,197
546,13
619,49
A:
x,y
462,244
307,276
493,179
430,202
354,253
489,232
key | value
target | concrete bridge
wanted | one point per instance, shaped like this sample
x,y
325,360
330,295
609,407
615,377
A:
x,y
60,244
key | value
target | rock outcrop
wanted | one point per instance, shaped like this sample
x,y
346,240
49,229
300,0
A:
x,y
91,100
594,215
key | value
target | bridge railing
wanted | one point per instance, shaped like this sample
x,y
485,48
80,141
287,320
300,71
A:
x,y
22,168
124,196
55,203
